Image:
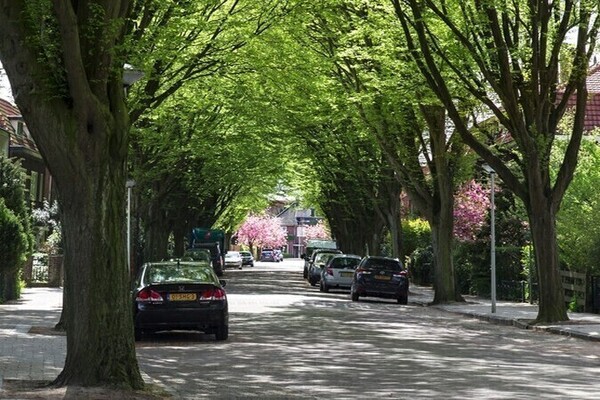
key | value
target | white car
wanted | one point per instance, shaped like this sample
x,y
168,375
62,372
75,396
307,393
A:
x,y
233,259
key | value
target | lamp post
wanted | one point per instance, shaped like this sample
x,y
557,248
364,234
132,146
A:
x,y
129,185
492,173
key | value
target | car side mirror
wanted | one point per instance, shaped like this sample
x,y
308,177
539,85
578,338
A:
x,y
303,256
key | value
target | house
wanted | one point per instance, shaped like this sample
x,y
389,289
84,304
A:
x,y
294,220
20,145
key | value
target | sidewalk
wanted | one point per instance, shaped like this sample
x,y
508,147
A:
x,y
581,325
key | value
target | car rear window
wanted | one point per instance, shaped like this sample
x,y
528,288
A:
x,y
345,262
391,265
178,273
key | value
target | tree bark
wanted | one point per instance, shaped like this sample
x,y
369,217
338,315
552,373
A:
x,y
542,220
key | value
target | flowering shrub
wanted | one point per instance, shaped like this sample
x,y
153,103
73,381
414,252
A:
x,y
471,206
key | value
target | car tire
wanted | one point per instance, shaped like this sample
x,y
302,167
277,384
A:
x,y
312,282
403,300
305,274
222,332
324,287
354,296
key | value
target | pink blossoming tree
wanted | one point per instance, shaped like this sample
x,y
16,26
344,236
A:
x,y
262,231
318,231
471,206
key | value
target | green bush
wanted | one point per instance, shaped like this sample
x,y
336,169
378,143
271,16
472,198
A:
x,y
14,246
421,266
416,234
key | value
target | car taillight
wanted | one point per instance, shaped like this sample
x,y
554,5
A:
x,y
213,294
148,295
362,271
401,273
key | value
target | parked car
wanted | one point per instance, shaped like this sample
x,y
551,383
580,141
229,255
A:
x,y
313,245
338,272
309,261
233,259
317,265
247,258
267,255
278,255
179,295
380,277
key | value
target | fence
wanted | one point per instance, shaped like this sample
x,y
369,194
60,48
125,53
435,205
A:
x,y
575,288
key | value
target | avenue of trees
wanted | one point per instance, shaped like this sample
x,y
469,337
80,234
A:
x,y
351,102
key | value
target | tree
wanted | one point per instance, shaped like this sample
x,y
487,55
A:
x,y
64,62
261,231
317,231
508,57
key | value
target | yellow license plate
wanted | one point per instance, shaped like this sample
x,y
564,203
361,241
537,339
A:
x,y
383,277
347,274
182,296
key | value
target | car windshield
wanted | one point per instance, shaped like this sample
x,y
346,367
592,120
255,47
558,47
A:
x,y
232,254
198,255
344,262
166,273
391,265
245,253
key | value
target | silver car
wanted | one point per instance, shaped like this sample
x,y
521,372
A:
x,y
338,272
317,264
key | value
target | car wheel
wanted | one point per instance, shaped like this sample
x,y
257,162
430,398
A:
x,y
354,296
312,282
324,287
222,332
305,274
403,300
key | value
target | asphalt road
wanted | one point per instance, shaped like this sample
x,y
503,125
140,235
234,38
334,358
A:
x,y
288,340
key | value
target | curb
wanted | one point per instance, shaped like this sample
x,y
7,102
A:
x,y
518,323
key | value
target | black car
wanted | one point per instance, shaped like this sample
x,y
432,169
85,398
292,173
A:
x,y
380,277
247,258
179,295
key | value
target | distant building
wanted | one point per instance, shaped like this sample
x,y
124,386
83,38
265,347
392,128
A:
x,y
20,145
294,220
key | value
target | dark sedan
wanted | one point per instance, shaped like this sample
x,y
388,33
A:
x,y
179,295
380,277
247,258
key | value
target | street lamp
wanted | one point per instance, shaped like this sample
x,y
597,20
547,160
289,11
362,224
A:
x,y
492,173
129,185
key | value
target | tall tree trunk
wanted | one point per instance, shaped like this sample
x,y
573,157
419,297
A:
x,y
442,215
444,282
157,238
542,222
96,275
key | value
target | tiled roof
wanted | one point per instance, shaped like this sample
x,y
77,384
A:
x,y
9,111
4,120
